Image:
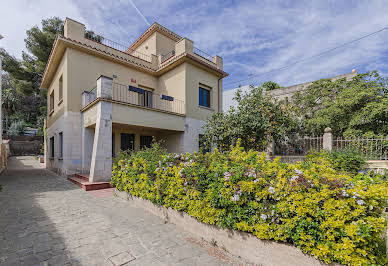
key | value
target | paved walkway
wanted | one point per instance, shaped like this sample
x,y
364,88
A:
x,y
47,220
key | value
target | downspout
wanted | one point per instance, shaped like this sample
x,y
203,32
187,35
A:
x,y
218,84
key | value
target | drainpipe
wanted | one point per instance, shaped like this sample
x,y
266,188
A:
x,y
219,95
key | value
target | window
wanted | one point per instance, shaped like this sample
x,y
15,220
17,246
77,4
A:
x,y
204,97
202,145
52,147
60,135
145,98
127,142
51,101
60,91
145,142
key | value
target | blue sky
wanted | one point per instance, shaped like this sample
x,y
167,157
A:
x,y
253,37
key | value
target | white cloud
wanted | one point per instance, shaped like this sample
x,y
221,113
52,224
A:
x,y
17,16
253,37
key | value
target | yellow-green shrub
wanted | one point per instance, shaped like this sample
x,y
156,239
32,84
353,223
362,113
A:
x,y
333,216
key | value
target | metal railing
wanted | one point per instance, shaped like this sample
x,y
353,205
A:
x,y
117,46
373,149
203,54
298,146
151,100
90,96
167,56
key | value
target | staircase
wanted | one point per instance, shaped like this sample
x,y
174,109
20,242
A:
x,y
82,180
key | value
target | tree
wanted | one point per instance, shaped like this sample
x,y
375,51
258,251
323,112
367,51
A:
x,y
25,75
270,85
258,119
358,107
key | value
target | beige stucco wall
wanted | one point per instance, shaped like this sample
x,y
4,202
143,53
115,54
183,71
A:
x,y
131,115
54,86
156,44
84,69
148,46
90,116
195,77
173,83
164,44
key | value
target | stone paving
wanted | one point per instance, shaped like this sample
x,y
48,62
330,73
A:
x,y
47,220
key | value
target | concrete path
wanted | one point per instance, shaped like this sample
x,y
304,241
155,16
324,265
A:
x,y
47,220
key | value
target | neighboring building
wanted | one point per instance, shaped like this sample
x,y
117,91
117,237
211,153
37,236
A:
x,y
103,97
281,93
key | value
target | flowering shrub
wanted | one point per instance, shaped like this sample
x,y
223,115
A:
x,y
331,215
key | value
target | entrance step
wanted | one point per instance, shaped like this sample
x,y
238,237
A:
x,y
82,180
83,176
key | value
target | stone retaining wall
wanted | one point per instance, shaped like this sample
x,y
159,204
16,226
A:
x,y
247,246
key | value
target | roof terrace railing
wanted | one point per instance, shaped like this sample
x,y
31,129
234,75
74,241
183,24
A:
x,y
203,54
117,46
167,55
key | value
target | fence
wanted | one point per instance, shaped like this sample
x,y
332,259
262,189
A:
x,y
298,146
372,149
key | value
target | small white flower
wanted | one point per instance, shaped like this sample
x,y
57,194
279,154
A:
x,y
344,193
295,177
227,175
263,216
271,190
236,197
360,202
256,180
272,212
354,197
299,172
356,194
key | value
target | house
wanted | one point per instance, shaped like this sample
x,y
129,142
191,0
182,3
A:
x,y
103,97
280,93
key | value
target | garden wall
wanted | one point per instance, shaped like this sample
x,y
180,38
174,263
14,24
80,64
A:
x,y
25,145
247,246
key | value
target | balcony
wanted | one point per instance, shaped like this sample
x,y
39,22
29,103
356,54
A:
x,y
134,96
131,106
116,46
147,99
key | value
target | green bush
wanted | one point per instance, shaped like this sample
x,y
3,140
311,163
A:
x,y
346,161
17,128
331,215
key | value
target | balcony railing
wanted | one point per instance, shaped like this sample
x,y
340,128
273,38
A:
x,y
203,54
167,56
89,96
147,99
117,46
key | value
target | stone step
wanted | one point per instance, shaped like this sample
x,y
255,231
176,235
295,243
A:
x,y
83,176
86,185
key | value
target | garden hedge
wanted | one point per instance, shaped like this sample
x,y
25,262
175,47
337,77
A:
x,y
334,216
